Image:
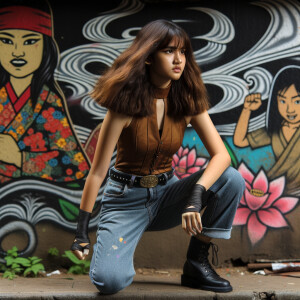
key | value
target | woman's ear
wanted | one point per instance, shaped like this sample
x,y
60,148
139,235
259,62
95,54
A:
x,y
148,60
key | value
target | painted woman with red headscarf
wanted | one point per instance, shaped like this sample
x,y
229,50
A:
x,y
36,136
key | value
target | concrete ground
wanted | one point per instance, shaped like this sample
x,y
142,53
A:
x,y
152,284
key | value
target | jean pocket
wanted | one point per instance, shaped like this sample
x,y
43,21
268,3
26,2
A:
x,y
114,189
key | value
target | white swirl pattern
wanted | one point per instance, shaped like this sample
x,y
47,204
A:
x,y
33,210
222,31
280,40
260,79
221,34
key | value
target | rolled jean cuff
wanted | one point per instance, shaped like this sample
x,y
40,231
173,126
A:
x,y
217,233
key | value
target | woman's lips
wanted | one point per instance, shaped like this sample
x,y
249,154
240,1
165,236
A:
x,y
177,69
18,62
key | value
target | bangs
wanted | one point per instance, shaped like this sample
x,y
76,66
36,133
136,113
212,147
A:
x,y
180,39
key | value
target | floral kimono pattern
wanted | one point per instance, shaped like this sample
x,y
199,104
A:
x,y
49,147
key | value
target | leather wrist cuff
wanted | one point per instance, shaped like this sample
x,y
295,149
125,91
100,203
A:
x,y
83,224
194,202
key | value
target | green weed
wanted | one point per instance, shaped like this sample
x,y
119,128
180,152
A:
x,y
80,266
16,265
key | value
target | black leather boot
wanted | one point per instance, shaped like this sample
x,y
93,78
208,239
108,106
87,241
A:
x,y
197,271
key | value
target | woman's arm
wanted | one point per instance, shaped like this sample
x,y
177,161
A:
x,y
212,141
220,160
111,129
252,102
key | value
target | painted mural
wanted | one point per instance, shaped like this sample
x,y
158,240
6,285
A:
x,y
49,124
39,149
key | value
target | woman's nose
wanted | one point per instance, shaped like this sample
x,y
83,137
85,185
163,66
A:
x,y
177,58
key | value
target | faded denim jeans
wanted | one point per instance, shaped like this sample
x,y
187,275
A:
x,y
127,213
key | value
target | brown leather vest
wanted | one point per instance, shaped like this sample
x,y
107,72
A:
x,y
141,150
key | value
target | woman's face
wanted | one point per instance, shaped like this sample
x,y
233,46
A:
x,y
167,64
21,51
289,104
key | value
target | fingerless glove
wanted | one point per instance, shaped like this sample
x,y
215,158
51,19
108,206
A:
x,y
82,240
194,202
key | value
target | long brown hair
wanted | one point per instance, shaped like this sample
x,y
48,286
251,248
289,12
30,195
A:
x,y
126,87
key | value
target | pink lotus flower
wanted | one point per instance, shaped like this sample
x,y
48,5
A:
x,y
262,204
185,162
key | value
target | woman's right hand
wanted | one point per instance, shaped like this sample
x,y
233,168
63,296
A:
x,y
80,248
252,102
81,244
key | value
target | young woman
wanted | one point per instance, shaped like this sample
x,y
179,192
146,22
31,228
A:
x,y
282,129
152,91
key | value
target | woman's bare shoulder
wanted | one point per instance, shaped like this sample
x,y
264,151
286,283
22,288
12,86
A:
x,y
123,119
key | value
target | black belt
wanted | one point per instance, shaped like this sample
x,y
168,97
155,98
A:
x,y
141,181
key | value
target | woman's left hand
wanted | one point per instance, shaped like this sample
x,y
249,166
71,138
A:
x,y
9,150
191,223
191,219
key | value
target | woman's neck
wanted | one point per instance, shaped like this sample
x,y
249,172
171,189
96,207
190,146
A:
x,y
160,83
161,93
20,84
164,85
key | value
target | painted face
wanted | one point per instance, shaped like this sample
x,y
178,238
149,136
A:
x,y
289,104
167,64
20,51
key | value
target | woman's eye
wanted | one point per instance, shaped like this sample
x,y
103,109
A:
x,y
182,51
282,101
31,41
297,102
6,41
168,51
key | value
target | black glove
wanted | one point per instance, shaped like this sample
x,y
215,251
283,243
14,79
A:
x,y
194,202
82,241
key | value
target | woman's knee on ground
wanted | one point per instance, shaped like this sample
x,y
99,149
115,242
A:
x,y
110,282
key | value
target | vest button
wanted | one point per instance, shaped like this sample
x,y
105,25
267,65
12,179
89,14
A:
x,y
161,142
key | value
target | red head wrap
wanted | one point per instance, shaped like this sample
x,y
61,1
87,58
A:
x,y
25,17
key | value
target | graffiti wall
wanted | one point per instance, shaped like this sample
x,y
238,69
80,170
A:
x,y
49,61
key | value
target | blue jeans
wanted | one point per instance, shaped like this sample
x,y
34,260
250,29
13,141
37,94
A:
x,y
127,213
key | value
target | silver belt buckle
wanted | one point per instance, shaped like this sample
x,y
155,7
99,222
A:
x,y
149,181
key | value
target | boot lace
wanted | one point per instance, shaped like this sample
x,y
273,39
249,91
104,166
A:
x,y
214,249
203,257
